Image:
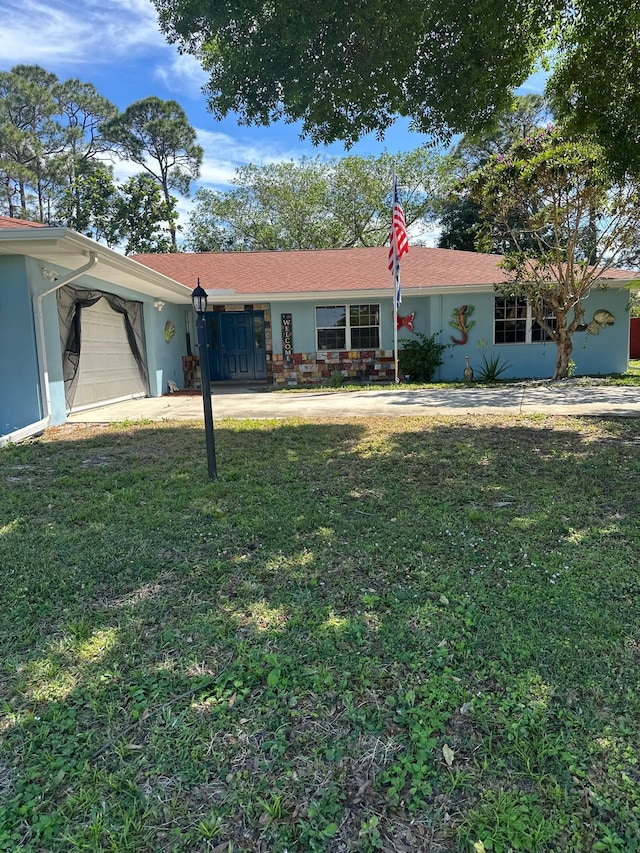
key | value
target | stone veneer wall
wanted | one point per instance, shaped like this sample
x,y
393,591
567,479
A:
x,y
191,372
318,367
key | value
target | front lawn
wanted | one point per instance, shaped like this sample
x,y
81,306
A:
x,y
386,634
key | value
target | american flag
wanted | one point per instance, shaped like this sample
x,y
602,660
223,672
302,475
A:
x,y
398,240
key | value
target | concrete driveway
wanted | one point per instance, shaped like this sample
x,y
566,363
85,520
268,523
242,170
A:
x,y
570,398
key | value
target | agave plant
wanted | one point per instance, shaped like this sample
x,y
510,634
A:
x,y
492,368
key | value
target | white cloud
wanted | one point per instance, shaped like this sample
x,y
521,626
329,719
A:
x,y
184,207
183,75
123,169
223,154
63,31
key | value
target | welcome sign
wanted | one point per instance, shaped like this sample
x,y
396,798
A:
x,y
286,323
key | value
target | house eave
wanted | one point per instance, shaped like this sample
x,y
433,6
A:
x,y
65,249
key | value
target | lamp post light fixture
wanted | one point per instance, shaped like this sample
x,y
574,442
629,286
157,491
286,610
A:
x,y
199,299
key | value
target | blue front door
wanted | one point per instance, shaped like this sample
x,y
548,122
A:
x,y
237,346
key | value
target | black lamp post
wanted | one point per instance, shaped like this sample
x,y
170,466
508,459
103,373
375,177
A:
x,y
199,299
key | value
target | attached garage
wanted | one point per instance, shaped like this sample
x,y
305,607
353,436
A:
x,y
80,325
107,370
103,348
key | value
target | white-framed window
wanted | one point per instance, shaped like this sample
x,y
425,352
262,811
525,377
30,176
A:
x,y
514,323
347,327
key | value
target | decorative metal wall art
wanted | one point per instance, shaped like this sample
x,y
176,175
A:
x,y
460,321
601,319
406,322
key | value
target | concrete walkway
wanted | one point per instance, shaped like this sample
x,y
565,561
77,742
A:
x,y
559,398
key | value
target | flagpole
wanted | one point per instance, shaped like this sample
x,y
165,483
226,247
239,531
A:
x,y
396,273
399,245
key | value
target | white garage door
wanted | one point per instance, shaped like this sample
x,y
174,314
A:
x,y
107,371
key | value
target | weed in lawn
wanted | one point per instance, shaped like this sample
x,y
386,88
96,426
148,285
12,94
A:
x,y
369,838
419,715
320,821
506,821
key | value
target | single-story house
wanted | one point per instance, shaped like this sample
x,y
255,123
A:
x,y
299,317
82,325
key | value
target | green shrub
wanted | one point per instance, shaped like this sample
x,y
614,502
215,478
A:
x,y
420,356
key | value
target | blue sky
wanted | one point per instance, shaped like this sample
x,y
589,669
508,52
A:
x,y
117,46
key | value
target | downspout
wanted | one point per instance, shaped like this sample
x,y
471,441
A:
x,y
43,423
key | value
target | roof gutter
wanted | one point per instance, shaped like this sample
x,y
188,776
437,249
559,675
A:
x,y
41,349
42,243
330,296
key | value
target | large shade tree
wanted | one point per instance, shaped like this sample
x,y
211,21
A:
x,y
82,111
88,203
275,206
347,69
595,87
132,215
55,159
30,137
143,222
313,203
567,220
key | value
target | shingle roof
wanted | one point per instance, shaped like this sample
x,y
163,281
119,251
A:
x,y
12,222
322,270
330,270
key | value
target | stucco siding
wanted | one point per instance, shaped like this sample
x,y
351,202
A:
x,y
20,403
606,352
165,356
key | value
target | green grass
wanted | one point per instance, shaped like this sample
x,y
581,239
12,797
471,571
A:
x,y
392,634
631,377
